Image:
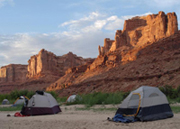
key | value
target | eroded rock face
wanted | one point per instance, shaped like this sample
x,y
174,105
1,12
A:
x,y
140,31
156,65
42,70
47,62
13,73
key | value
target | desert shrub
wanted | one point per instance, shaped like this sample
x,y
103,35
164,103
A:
x,y
12,108
15,94
30,94
53,93
170,92
61,99
100,98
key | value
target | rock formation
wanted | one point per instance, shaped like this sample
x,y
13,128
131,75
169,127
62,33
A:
x,y
140,31
141,54
156,65
137,33
47,62
13,73
42,70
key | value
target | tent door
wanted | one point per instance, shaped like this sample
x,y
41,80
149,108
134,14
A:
x,y
33,102
134,104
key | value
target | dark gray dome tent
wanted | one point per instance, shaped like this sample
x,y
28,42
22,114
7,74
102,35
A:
x,y
41,103
145,104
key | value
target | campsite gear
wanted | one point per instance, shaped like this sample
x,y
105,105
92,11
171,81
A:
x,y
21,100
146,104
18,114
119,118
40,104
5,101
8,115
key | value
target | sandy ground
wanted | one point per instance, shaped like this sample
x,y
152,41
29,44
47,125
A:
x,y
70,118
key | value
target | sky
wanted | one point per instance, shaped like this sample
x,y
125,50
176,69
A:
x,y
62,26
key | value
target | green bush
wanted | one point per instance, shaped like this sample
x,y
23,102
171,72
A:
x,y
53,93
171,92
15,108
100,98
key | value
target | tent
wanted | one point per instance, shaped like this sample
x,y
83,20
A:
x,y
40,104
5,101
145,104
20,100
71,98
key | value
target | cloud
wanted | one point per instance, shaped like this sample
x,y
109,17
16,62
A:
x,y
115,24
97,21
74,24
4,2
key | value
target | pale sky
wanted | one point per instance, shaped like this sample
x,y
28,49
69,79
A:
x,y
60,26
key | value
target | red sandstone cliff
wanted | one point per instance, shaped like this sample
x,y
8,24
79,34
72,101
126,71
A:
x,y
140,31
48,63
42,70
143,53
156,65
137,33
13,73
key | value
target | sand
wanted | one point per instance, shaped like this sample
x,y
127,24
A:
x,y
70,118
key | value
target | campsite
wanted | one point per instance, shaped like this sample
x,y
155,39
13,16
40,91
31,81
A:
x,y
89,116
90,64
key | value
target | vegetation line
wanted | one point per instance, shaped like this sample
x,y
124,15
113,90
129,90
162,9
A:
x,y
91,99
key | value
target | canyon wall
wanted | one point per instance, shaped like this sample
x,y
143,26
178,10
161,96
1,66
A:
x,y
138,33
13,73
48,63
42,70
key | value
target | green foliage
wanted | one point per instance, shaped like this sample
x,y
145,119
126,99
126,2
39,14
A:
x,y
171,92
175,109
15,108
13,95
30,94
61,99
53,93
100,98
91,99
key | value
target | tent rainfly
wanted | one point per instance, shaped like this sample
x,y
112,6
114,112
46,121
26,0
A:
x,y
146,104
41,103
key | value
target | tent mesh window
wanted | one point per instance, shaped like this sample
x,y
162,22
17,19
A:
x,y
134,101
153,95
